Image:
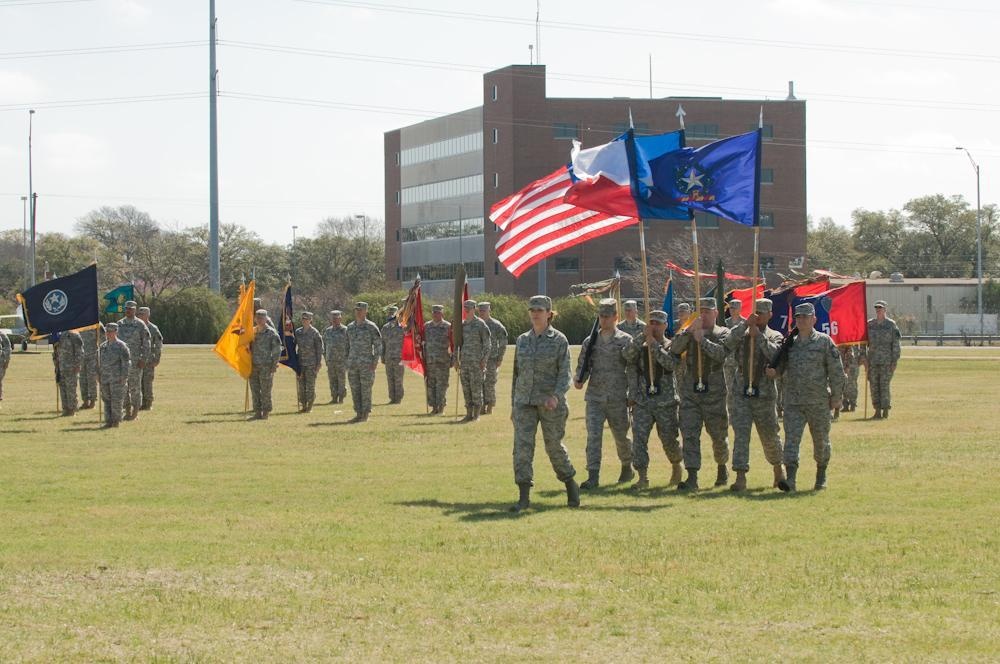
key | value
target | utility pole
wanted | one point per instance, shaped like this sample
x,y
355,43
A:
x,y
31,198
24,239
979,247
214,281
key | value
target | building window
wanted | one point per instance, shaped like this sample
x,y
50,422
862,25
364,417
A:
x,y
449,147
767,220
496,180
397,159
767,262
397,235
705,220
496,267
767,176
433,191
622,127
443,229
397,273
930,307
496,136
442,271
566,264
397,198
496,92
564,130
703,131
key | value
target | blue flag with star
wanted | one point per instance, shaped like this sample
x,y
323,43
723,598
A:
x,y
722,178
66,303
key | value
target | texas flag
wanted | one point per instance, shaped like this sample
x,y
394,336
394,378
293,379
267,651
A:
x,y
615,177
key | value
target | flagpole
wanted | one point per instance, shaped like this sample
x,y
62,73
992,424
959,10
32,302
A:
x,y
699,386
750,391
645,286
246,397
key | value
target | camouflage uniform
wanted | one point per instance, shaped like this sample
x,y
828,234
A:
x,y
760,410
265,351
498,347
149,372
659,409
309,346
437,356
729,366
476,348
68,358
882,354
392,356
364,344
849,355
5,352
113,370
635,330
541,369
88,370
813,375
708,408
135,334
335,345
607,395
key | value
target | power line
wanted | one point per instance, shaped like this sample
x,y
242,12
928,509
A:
x,y
29,3
104,101
99,50
634,31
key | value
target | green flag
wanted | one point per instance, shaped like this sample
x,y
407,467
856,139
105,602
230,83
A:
x,y
117,299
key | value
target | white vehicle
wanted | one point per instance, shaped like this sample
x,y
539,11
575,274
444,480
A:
x,y
13,326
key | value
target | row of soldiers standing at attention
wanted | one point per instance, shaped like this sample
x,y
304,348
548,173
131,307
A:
x,y
122,356
352,352
704,378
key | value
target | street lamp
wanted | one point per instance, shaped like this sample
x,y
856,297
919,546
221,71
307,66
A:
x,y
31,197
294,228
24,238
364,225
979,246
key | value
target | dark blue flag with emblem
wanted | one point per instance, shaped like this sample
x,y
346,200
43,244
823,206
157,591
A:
x,y
722,178
66,303
117,299
286,328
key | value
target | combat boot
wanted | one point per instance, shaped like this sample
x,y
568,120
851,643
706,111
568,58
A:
x,y
741,481
788,484
642,482
524,501
264,414
572,493
593,480
820,477
476,412
877,415
627,473
885,413
779,475
676,473
468,415
722,476
691,483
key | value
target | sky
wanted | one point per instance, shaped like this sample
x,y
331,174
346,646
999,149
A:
x,y
308,87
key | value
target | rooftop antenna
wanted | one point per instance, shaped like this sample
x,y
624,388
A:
x,y
531,54
650,75
538,31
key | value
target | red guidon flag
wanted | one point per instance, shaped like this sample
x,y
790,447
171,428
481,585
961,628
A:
x,y
411,319
535,223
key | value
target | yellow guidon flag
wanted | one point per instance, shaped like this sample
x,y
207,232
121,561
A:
x,y
234,344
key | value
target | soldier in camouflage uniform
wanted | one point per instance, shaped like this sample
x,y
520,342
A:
x,y
655,401
601,364
757,409
135,334
155,353
475,350
92,339
68,358
335,344
438,358
364,345
880,358
498,346
309,347
706,407
113,370
6,349
538,396
265,351
683,313
631,325
814,384
392,355
849,355
729,366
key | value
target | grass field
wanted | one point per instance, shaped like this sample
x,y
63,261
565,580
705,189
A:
x,y
191,535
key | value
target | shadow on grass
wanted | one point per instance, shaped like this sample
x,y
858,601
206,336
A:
x,y
54,416
85,429
340,423
494,511
18,431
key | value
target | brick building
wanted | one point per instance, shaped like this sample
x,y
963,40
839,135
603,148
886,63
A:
x,y
442,175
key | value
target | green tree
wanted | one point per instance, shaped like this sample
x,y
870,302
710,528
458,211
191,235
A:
x,y
831,247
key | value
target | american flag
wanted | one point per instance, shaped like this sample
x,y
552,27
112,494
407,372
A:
x,y
535,222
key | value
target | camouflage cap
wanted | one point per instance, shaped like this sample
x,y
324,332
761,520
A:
x,y
307,315
880,304
540,302
708,303
683,306
607,307
805,309
361,305
484,305
111,327
762,305
143,310
469,304
658,317
630,305
260,312
391,309
438,308
735,303
130,303
335,313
